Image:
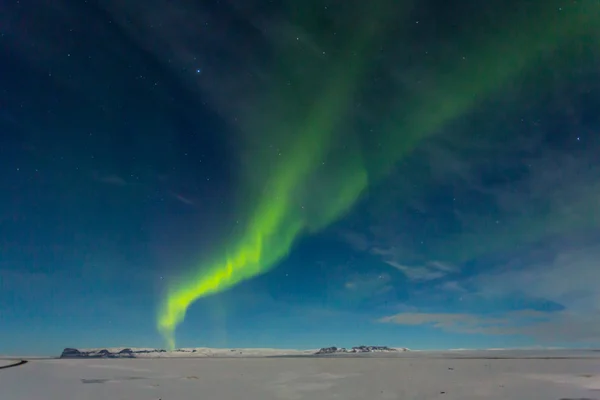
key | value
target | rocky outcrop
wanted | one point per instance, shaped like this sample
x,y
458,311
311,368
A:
x,y
359,349
129,352
70,353
96,353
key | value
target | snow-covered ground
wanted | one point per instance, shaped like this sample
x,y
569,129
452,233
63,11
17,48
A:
x,y
6,361
549,375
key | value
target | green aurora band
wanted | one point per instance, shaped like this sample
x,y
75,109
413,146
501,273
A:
x,y
318,180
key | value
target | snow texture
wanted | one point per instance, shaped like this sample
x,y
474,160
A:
x,y
464,375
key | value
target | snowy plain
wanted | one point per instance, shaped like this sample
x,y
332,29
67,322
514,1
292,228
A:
x,y
6,361
531,375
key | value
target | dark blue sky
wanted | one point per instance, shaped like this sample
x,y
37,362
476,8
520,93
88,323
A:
x,y
120,160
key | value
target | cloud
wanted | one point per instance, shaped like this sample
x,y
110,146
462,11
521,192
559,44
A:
x,y
568,277
357,240
460,322
392,256
549,327
364,288
472,191
112,180
517,218
427,272
183,199
561,274
369,284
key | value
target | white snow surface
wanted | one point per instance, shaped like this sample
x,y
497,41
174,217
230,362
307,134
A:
x,y
540,375
7,361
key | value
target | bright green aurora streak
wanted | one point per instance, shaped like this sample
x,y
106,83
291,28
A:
x,y
292,202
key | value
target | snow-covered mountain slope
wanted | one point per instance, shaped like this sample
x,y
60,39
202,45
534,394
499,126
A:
x,y
135,352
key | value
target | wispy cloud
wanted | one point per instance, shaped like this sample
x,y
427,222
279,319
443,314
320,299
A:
x,y
467,194
568,277
362,288
460,322
357,240
112,180
368,284
549,327
426,272
183,199
393,256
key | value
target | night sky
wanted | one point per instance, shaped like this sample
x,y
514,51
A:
x,y
299,174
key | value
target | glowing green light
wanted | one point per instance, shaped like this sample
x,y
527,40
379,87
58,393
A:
x,y
292,202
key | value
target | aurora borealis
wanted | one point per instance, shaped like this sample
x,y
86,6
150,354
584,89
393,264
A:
x,y
247,166
287,208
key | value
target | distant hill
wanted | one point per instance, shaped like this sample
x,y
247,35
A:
x,y
134,352
360,349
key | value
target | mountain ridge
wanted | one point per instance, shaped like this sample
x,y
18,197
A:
x,y
135,352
